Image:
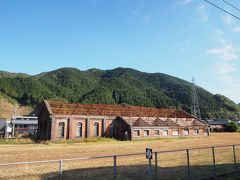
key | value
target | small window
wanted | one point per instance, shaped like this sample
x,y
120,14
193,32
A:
x,y
111,130
136,133
196,131
156,133
175,133
165,132
32,126
96,129
61,128
146,132
79,129
185,132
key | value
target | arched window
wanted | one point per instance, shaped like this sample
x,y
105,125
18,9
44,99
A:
x,y
79,129
96,129
61,129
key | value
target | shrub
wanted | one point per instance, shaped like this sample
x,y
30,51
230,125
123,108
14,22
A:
x,y
232,127
17,141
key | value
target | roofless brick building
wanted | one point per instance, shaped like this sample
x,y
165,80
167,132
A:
x,y
60,120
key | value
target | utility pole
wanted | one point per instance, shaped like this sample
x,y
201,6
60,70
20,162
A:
x,y
195,110
13,121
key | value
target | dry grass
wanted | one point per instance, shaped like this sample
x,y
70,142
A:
x,y
33,152
171,165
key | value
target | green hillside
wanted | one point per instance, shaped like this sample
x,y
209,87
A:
x,y
117,86
8,74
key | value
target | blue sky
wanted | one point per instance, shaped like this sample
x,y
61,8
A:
x,y
183,38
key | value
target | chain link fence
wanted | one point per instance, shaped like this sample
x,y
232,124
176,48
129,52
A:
x,y
30,170
198,163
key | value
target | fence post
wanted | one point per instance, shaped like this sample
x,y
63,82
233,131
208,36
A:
x,y
188,164
150,169
114,167
235,161
214,162
156,166
60,169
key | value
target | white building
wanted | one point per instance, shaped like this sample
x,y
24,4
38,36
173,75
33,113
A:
x,y
23,126
5,128
18,126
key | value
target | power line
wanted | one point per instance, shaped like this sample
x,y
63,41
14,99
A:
x,y
222,9
231,5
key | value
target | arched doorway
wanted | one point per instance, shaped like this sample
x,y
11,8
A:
x,y
96,129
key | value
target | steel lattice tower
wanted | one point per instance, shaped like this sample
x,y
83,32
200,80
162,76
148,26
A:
x,y
195,110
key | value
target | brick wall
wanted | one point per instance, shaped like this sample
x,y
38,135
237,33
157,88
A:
x,y
70,130
92,128
120,127
170,133
44,126
55,126
73,131
108,123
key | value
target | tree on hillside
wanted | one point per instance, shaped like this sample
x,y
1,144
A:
x,y
232,127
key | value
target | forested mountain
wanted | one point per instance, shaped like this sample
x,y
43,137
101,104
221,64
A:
x,y
117,86
8,74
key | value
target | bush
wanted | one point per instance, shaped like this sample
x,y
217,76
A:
x,y
17,141
232,127
80,140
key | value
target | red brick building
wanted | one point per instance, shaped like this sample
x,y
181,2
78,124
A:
x,y
60,120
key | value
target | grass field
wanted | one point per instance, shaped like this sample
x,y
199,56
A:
x,y
33,152
171,165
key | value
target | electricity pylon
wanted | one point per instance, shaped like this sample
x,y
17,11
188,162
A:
x,y
195,110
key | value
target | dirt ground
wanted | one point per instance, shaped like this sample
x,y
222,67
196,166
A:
x,y
52,151
7,108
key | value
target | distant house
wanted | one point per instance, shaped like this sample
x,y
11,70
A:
x,y
2,127
5,128
23,126
18,126
60,120
217,125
